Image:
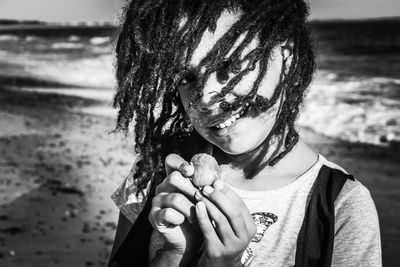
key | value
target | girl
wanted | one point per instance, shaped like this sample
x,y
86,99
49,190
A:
x,y
227,78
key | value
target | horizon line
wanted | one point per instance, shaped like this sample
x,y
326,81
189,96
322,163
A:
x,y
29,21
354,19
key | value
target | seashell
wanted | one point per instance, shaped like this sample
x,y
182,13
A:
x,y
206,169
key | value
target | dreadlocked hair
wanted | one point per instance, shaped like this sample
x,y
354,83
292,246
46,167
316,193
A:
x,y
154,48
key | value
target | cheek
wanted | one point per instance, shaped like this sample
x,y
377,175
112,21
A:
x,y
246,83
267,84
270,80
272,77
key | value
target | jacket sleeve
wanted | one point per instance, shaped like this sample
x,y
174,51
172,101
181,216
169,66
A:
x,y
131,204
133,234
123,228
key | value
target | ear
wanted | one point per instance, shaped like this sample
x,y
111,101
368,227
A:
x,y
287,49
287,54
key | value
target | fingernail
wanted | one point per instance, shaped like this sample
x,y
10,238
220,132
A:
x,y
208,190
201,208
186,169
198,195
219,184
182,167
189,170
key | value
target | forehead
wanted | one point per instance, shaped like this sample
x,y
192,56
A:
x,y
208,40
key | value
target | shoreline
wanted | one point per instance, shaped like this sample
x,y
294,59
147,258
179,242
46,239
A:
x,y
58,153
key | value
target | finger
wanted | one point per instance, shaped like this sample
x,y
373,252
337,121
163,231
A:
x,y
210,236
163,217
230,211
222,225
179,203
176,182
174,162
238,202
168,217
221,186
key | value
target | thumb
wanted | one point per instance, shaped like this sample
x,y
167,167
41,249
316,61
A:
x,y
174,162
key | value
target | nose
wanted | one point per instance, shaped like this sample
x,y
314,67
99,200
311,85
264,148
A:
x,y
210,102
211,95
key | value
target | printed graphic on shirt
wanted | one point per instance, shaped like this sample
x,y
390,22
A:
x,y
263,220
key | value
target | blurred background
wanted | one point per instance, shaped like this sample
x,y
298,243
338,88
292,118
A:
x,y
59,163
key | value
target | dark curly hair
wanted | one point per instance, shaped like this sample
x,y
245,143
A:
x,y
149,64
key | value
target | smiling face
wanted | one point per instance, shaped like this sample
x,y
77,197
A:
x,y
241,130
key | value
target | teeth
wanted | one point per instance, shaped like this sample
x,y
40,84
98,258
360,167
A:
x,y
230,120
221,125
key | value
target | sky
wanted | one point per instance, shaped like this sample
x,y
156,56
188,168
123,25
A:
x,y
60,10
353,9
100,10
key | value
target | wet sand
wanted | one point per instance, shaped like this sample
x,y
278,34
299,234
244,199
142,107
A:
x,y
58,168
59,165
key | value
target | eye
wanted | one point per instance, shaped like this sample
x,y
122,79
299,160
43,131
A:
x,y
188,78
223,72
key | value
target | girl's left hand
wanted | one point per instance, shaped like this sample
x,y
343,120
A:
x,y
234,226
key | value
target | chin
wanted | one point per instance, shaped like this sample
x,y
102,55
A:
x,y
237,148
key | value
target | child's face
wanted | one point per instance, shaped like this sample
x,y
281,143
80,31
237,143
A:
x,y
233,132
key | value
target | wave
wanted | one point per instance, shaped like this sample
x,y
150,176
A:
x,y
358,110
95,94
32,38
96,71
65,45
8,38
99,40
74,38
88,72
385,80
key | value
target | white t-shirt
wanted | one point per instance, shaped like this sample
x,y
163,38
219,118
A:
x,y
279,215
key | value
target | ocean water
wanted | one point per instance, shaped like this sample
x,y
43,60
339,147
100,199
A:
x,y
81,61
355,95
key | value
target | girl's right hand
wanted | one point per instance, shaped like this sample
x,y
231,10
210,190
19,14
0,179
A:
x,y
173,209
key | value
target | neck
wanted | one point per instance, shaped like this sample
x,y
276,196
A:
x,y
237,169
252,162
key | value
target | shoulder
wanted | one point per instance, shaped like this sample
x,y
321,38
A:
x,y
353,194
357,233
353,197
355,209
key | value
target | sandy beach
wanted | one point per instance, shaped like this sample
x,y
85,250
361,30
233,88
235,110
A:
x,y
59,165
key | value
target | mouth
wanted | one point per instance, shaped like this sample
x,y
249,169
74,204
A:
x,y
222,126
